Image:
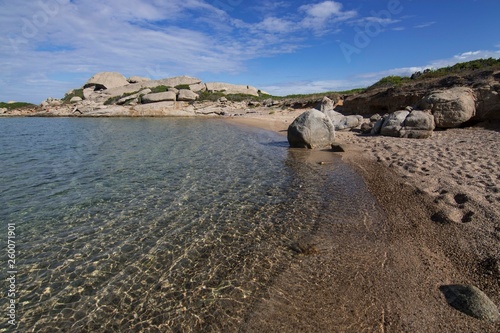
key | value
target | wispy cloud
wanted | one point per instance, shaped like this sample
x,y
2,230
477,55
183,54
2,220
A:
x,y
374,19
424,25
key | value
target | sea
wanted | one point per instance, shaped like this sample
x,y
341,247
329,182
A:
x,y
153,224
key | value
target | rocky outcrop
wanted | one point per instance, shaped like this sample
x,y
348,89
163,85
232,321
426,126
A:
x,y
227,88
164,109
482,87
75,99
488,102
381,101
418,125
393,123
102,96
341,122
451,107
187,95
326,105
134,98
198,87
159,97
106,80
312,129
413,124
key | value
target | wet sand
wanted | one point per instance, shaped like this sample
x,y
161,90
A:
x,y
436,223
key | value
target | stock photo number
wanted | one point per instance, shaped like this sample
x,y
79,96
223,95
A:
x,y
11,274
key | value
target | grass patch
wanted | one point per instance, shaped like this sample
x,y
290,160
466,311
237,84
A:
x,y
75,93
390,81
159,89
16,105
182,86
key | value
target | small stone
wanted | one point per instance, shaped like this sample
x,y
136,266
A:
x,y
339,148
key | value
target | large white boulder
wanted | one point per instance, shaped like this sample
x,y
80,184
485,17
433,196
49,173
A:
x,y
187,95
451,107
159,97
107,80
312,129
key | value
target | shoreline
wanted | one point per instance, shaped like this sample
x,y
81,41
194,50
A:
x,y
427,240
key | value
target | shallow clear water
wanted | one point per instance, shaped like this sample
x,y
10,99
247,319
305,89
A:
x,y
154,225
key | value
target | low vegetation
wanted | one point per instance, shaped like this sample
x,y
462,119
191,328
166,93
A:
x,y
16,105
74,93
183,86
159,89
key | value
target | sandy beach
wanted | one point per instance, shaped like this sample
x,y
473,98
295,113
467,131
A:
x,y
437,224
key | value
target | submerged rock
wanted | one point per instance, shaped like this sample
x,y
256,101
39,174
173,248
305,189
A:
x,y
312,129
471,301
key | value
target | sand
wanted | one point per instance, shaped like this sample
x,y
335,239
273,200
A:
x,y
437,223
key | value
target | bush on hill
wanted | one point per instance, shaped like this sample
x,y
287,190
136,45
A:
x,y
75,93
16,105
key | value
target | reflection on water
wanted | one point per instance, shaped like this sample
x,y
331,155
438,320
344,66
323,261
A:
x,y
154,225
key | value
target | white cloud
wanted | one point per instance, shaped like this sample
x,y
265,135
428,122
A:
x,y
326,10
276,25
318,15
308,87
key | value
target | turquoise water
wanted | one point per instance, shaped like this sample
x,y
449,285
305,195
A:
x,y
153,225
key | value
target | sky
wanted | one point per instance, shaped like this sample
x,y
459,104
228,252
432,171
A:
x,y
48,47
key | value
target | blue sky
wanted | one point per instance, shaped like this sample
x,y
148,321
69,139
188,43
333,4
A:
x,y
50,46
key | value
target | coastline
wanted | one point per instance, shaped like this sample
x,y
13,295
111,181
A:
x,y
437,230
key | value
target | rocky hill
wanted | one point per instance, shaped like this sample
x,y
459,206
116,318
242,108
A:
x,y
391,94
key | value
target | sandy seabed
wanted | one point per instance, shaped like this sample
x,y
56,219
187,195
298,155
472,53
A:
x,y
437,224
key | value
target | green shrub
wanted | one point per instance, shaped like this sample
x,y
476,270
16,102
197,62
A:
x,y
390,81
183,86
75,93
479,64
159,89
210,96
16,105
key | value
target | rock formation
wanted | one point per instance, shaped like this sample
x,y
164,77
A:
x,y
312,129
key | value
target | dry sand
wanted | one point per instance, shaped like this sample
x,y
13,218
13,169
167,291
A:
x,y
438,223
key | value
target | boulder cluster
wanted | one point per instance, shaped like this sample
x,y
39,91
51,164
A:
x,y
437,109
